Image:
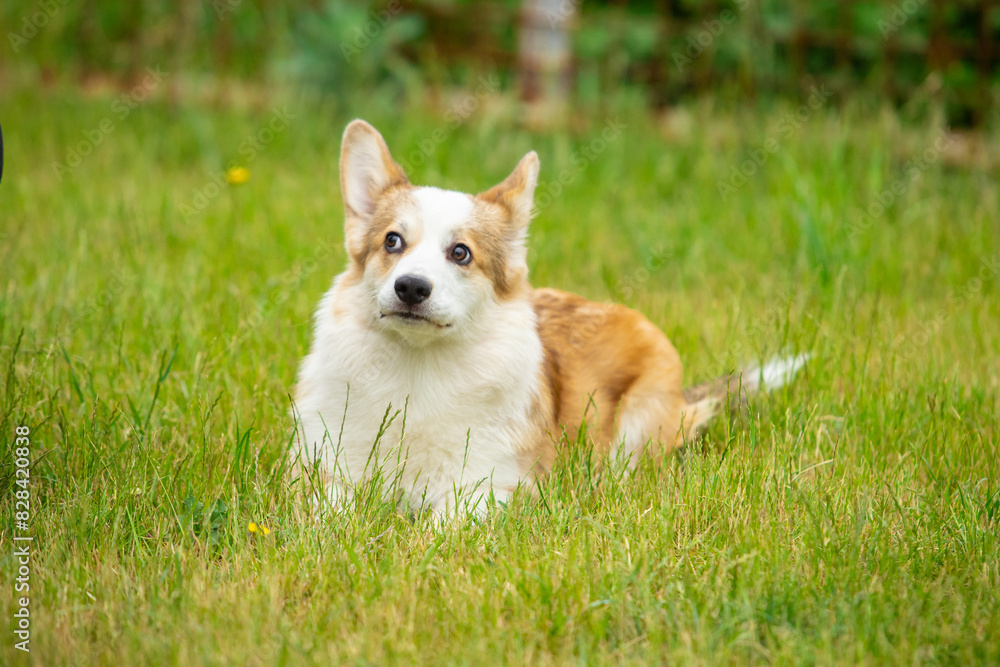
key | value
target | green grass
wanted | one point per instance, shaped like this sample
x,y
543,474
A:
x,y
851,518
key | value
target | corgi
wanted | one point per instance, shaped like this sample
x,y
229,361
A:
x,y
435,361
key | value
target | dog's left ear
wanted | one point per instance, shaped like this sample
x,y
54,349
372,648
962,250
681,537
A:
x,y
517,192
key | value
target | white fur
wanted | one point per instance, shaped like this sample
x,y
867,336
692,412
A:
x,y
439,395
437,214
464,383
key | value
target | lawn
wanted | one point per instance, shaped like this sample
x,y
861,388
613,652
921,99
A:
x,y
152,316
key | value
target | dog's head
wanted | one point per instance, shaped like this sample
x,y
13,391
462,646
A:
x,y
429,260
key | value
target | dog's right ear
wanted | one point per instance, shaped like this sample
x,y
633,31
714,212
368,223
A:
x,y
517,192
366,171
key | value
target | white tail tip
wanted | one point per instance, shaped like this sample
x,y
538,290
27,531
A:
x,y
776,373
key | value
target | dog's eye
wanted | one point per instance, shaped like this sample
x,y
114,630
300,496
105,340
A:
x,y
393,242
461,254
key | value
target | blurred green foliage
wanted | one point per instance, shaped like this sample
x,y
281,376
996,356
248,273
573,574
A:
x,y
352,44
666,48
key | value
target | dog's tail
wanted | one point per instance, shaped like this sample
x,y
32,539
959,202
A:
x,y
705,400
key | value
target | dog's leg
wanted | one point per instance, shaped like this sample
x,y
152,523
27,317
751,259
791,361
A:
x,y
650,417
651,413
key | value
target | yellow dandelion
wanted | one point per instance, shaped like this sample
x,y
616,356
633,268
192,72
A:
x,y
237,175
255,528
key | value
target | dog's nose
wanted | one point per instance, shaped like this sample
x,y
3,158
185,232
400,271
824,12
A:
x,y
412,290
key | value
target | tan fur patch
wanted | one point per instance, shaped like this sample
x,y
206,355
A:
x,y
538,457
515,192
491,235
605,360
501,216
386,219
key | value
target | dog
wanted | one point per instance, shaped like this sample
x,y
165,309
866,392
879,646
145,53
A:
x,y
435,362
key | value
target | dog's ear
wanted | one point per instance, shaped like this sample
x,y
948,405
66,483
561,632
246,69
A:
x,y
517,192
366,170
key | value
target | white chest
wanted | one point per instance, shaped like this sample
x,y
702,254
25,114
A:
x,y
448,419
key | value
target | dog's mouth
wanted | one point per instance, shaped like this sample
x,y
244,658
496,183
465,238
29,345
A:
x,y
414,318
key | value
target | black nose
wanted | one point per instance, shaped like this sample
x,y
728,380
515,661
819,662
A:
x,y
411,290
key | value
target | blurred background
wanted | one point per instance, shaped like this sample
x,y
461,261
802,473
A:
x,y
928,58
756,177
